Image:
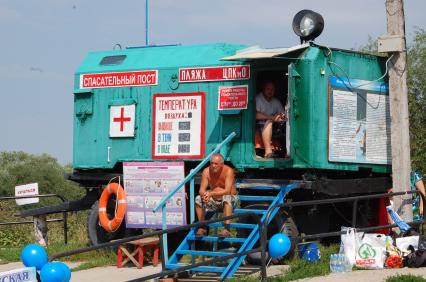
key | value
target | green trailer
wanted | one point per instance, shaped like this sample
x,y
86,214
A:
x,y
128,103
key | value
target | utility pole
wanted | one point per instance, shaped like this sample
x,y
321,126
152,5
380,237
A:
x,y
394,42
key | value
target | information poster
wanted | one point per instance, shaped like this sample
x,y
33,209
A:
x,y
232,97
178,129
146,184
359,121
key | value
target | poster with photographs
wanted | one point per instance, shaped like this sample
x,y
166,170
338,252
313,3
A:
x,y
178,128
359,121
146,184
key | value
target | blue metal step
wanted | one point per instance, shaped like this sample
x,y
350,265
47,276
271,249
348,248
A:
x,y
254,236
203,253
234,225
250,210
245,243
256,198
212,269
216,239
257,186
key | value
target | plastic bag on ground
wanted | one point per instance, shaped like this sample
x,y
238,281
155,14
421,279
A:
x,y
371,251
404,242
348,243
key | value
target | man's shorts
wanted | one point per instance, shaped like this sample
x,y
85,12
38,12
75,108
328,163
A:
x,y
260,124
215,205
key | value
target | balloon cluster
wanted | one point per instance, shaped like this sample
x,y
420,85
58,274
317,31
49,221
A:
x,y
35,256
279,245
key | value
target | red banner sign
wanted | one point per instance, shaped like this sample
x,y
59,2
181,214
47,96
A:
x,y
214,73
119,79
233,98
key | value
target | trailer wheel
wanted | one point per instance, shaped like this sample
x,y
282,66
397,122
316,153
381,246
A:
x,y
281,222
97,234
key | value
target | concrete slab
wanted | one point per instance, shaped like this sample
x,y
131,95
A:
x,y
366,275
114,274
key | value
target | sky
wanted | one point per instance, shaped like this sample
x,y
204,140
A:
x,y
43,42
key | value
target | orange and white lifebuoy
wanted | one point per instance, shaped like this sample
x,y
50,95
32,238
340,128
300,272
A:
x,y
113,224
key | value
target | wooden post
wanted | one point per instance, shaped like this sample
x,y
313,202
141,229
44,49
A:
x,y
40,230
401,166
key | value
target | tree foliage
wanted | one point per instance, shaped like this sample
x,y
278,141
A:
x,y
17,168
370,46
416,82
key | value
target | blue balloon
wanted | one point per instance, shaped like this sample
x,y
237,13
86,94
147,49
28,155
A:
x,y
34,256
52,272
279,245
66,270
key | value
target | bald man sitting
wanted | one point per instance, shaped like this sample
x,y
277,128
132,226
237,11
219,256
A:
x,y
217,192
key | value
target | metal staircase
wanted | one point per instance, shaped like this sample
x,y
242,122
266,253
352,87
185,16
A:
x,y
189,250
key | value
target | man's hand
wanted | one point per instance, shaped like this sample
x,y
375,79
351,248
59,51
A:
x,y
279,117
206,197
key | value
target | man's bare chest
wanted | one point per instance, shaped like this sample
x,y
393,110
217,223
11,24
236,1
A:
x,y
217,180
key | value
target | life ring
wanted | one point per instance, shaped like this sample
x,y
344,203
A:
x,y
106,223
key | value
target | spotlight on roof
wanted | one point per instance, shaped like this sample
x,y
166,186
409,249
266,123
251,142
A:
x,y
308,25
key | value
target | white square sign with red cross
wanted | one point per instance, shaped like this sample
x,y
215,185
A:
x,y
122,121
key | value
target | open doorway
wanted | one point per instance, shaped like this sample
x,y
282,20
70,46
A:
x,y
271,114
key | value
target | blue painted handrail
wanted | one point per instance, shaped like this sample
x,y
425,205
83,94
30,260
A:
x,y
162,204
195,171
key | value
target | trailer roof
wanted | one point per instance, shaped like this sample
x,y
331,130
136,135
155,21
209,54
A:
x,y
156,57
256,52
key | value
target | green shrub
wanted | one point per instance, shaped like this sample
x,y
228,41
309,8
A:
x,y
406,278
17,168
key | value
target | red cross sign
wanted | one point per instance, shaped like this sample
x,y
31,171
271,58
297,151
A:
x,y
122,121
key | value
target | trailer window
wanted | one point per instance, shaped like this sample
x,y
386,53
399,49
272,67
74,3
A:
x,y
112,60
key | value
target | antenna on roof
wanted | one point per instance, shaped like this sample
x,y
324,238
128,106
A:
x,y
146,22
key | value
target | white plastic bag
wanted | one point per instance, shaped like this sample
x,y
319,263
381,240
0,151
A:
x,y
349,244
371,251
404,242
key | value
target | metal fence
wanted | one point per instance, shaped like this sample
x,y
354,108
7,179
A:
x,y
64,218
355,201
262,233
165,272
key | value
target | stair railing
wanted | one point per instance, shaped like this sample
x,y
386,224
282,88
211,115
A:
x,y
189,177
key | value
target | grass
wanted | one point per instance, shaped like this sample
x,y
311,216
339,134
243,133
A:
x,y
302,269
14,238
10,254
101,258
88,260
406,278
